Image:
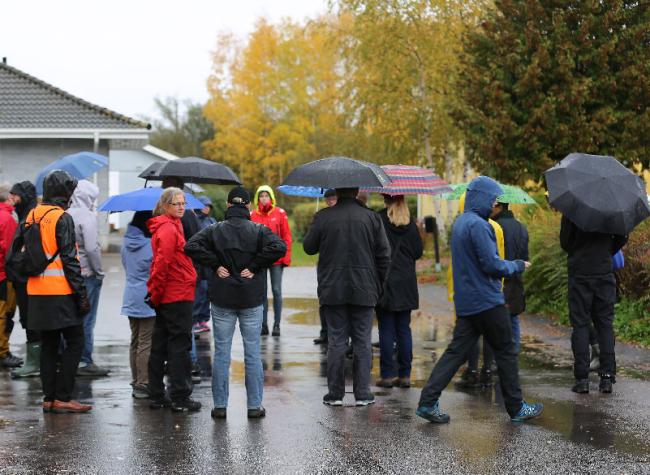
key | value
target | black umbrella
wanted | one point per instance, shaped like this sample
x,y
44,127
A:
x,y
192,169
337,172
597,193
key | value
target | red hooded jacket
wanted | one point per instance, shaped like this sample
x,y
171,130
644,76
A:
x,y
8,227
276,220
173,277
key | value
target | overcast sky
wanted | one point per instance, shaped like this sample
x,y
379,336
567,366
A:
x,y
121,54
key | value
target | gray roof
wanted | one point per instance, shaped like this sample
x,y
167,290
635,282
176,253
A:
x,y
29,103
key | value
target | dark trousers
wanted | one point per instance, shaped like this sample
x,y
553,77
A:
x,y
395,329
591,300
343,322
171,341
59,385
201,309
22,301
275,273
495,326
472,358
323,323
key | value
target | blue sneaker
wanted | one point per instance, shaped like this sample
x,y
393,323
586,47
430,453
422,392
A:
x,y
433,414
528,411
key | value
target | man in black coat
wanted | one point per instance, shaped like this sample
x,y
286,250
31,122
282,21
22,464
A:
x,y
592,295
352,267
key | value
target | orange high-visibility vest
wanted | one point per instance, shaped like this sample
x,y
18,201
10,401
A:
x,y
52,281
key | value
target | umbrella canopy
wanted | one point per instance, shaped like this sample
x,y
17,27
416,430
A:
x,y
80,165
411,180
512,194
597,193
337,172
192,169
143,199
304,191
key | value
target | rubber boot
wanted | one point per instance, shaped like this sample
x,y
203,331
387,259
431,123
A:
x,y
32,366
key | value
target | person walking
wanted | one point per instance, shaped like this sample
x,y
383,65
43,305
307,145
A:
x,y
23,197
82,210
171,288
480,306
330,200
238,250
592,295
352,267
8,226
201,312
400,294
57,298
136,259
275,218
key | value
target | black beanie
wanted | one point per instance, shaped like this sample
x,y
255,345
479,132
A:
x,y
239,196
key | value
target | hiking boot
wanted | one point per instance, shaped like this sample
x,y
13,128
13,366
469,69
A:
x,y
386,382
581,386
11,361
196,373
218,413
433,414
160,403
91,370
32,366
276,330
486,378
404,383
528,411
320,341
330,400
186,405
594,364
367,401
606,381
265,330
469,380
257,413
140,392
47,406
69,407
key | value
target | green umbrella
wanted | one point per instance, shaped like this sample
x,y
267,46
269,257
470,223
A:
x,y
512,194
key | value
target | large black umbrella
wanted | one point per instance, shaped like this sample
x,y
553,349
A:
x,y
597,193
193,170
337,172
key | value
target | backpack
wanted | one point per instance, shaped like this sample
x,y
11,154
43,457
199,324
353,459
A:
x,y
26,257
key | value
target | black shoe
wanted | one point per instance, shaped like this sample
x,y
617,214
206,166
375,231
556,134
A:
x,y
218,413
256,413
486,378
581,386
186,405
265,330
160,403
606,381
469,380
330,400
196,373
320,341
276,330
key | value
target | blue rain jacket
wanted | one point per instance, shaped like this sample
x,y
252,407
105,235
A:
x,y
136,259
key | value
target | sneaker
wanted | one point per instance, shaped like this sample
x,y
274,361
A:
x,y
140,392
386,382
186,405
365,401
11,361
469,380
330,400
528,411
92,370
276,330
404,383
581,386
606,381
160,403
257,413
218,413
205,326
433,414
196,373
265,330
197,328
69,407
320,341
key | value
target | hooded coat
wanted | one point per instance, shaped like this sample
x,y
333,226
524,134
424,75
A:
x,y
516,246
136,260
478,269
275,218
8,227
82,210
27,193
52,312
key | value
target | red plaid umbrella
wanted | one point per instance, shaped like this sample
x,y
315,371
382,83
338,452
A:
x,y
411,180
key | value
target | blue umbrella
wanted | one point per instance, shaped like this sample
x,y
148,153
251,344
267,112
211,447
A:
x,y
79,165
143,199
304,191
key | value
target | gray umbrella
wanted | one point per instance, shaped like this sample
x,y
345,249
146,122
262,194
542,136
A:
x,y
193,170
597,193
337,172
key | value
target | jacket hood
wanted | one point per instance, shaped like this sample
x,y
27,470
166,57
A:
x,y
85,195
58,187
155,223
262,188
481,194
25,189
4,206
134,238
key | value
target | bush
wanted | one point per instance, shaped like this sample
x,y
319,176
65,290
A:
x,y
635,276
302,216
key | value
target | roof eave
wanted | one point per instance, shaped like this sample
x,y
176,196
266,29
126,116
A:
x,y
93,134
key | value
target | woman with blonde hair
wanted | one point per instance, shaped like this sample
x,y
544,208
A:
x,y
170,288
400,294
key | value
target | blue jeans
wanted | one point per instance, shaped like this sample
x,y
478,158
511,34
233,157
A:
x,y
516,331
394,328
93,288
250,325
276,289
201,310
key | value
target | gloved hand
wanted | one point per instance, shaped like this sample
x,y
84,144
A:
x,y
83,305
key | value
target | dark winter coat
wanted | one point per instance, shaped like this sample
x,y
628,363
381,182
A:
x,y
401,288
236,244
515,236
354,254
589,254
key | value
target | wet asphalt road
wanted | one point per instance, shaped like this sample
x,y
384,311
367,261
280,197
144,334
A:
x,y
577,434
